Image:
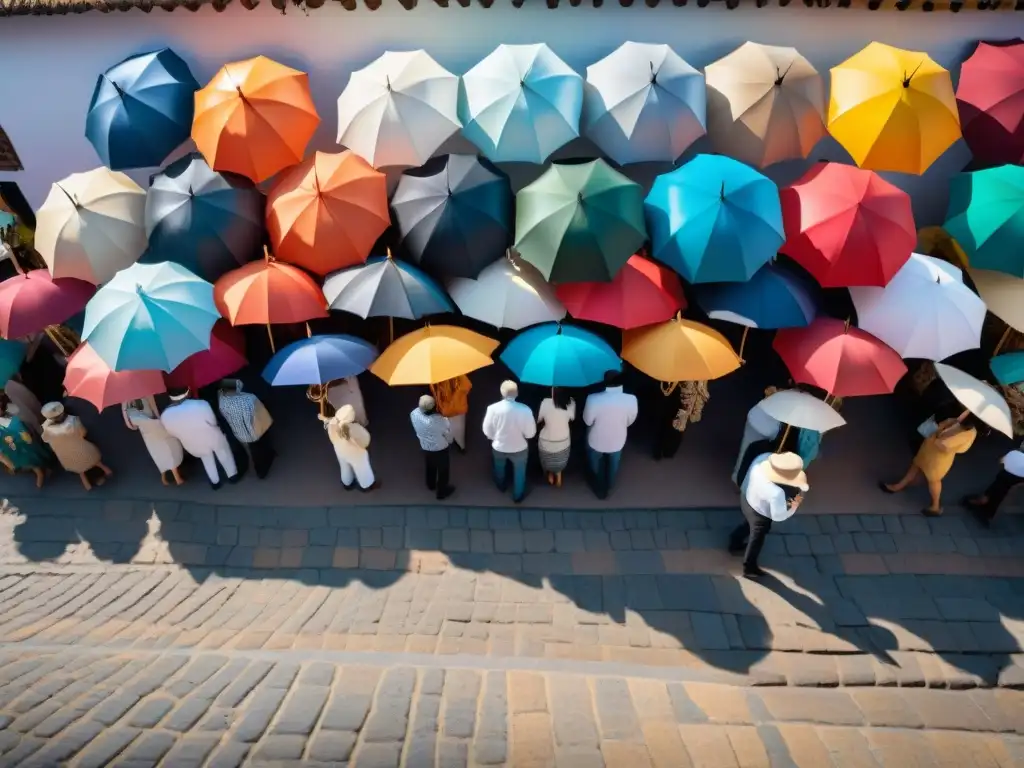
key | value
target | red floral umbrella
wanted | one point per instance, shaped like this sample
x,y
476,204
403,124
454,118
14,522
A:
x,y
990,99
33,300
225,356
89,378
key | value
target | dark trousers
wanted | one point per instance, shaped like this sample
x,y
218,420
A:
x,y
754,529
996,493
438,468
667,441
261,455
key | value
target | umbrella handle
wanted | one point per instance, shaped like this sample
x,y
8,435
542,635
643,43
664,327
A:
x,y
1002,341
391,330
270,335
743,341
785,434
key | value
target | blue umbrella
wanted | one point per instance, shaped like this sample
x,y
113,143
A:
x,y
319,359
12,354
557,355
141,110
1009,368
772,298
386,287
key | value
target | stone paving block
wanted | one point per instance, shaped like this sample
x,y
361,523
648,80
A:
x,y
258,714
966,609
572,713
708,747
105,747
389,716
709,631
481,541
303,708
538,541
812,706
187,714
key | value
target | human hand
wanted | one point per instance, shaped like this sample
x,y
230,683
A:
x,y
795,502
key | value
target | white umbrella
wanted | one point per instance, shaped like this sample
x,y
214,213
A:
x,y
92,225
507,294
398,110
924,312
1003,294
801,410
977,397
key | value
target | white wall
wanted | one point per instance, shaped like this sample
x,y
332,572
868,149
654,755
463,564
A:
x,y
50,64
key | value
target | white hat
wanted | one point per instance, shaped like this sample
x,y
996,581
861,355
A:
x,y
52,411
785,469
344,415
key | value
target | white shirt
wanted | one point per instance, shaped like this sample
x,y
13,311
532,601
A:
x,y
556,420
508,425
609,415
195,426
1013,462
764,496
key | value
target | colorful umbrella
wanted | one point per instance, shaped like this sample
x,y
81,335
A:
x,y
454,215
642,293
643,103
846,226
208,221
386,287
327,212
843,361
801,410
89,378
507,294
990,97
141,110
150,317
773,298
318,360
679,350
91,225
714,220
33,300
520,104
977,397
1002,294
12,355
986,217
398,110
433,354
766,104
892,110
1008,369
558,355
225,357
267,292
579,222
255,117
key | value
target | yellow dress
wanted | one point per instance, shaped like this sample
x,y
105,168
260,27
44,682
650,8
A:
x,y
935,463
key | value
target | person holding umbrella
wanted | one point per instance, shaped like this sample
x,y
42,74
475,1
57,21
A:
x,y
554,416
452,398
683,404
608,415
194,423
142,416
249,421
435,436
351,447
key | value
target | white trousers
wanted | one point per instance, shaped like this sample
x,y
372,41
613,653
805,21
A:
x,y
458,425
222,453
355,467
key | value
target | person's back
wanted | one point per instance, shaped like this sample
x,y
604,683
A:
x,y
508,425
193,423
609,414
431,429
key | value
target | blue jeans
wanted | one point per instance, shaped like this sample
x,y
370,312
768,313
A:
x,y
603,477
518,462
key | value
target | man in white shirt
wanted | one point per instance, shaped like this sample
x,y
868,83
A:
x,y
195,425
1011,474
608,415
509,425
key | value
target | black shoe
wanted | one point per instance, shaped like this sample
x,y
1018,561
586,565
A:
x,y
216,486
444,493
348,487
754,573
978,513
375,486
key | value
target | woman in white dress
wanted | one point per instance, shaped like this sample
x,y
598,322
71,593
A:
x,y
165,449
553,417
351,442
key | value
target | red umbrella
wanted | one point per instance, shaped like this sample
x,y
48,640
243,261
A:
x,y
844,361
847,226
642,293
33,300
225,356
990,99
89,378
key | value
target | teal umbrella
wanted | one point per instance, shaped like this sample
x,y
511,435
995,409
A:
x,y
986,218
1009,368
558,355
12,355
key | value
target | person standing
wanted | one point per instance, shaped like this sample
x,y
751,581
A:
x,y
608,415
250,423
166,452
20,449
452,398
682,405
435,436
1011,474
65,434
351,444
194,423
553,417
509,425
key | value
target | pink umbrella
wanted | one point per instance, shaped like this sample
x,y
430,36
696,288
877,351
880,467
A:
x,y
33,300
89,378
225,356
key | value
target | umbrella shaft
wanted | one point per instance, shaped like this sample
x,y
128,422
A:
x,y
1002,341
270,335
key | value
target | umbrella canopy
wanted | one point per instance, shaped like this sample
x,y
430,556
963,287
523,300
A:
x,y
766,104
801,410
557,355
225,357
990,97
31,301
846,226
267,292
92,225
433,354
679,350
89,378
772,298
507,294
892,110
925,312
12,355
1009,368
255,117
1002,294
520,104
141,110
714,220
986,217
454,215
386,287
319,359
398,110
207,221
643,103
327,212
579,222
844,361
150,317
642,293
977,397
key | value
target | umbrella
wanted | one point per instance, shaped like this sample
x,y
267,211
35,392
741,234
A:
x,y
386,287
844,361
150,317
89,378
141,110
1009,368
1002,294
12,355
990,98
846,226
433,354
642,293
454,215
773,298
318,360
925,312
208,221
935,241
714,220
579,222
33,300
398,110
801,410
255,117
557,355
507,294
679,350
327,212
892,110
977,397
643,103
766,104
225,357
986,217
91,225
520,104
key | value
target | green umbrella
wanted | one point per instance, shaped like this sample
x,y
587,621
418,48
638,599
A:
x,y
580,222
986,217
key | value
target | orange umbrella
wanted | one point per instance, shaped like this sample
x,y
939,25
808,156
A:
x,y
255,118
326,213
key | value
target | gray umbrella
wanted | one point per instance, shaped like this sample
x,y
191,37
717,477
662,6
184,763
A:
x,y
386,287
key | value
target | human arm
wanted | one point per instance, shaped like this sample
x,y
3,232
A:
x,y
631,410
529,425
588,412
127,421
571,409
488,425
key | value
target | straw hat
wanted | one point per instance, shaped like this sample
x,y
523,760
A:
x,y
52,411
786,469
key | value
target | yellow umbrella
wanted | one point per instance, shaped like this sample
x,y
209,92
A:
x,y
679,350
893,110
433,354
937,242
